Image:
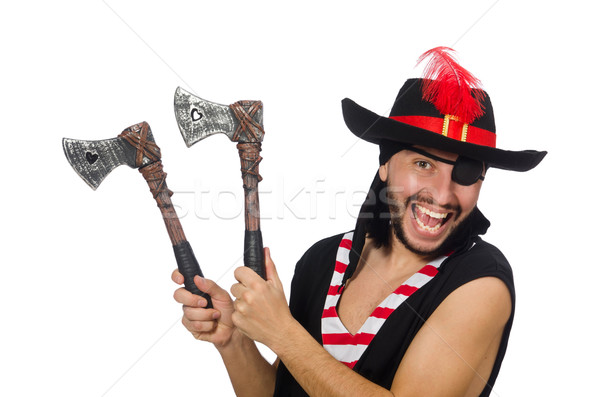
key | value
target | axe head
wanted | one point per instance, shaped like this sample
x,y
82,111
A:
x,y
94,160
198,118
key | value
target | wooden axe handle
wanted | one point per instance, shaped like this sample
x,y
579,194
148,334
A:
x,y
186,261
254,256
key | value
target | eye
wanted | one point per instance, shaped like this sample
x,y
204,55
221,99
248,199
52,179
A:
x,y
423,165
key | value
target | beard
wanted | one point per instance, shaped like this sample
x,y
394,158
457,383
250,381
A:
x,y
456,235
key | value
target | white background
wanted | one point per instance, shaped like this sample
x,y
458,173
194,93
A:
x,y
85,291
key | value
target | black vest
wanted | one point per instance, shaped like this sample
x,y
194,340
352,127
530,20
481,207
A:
x,y
381,359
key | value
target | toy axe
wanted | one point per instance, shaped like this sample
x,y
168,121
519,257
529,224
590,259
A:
x,y
242,123
135,147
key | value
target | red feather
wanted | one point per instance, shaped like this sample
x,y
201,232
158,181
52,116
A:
x,y
451,88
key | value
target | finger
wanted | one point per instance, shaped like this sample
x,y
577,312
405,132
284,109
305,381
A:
x,y
241,308
198,326
246,276
177,277
186,298
237,290
211,288
200,314
271,270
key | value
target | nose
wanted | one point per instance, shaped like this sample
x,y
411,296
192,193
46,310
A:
x,y
444,188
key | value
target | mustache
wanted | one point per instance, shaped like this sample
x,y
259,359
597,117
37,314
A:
x,y
419,197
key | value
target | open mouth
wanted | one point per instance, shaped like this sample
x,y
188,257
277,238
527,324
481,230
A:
x,y
429,220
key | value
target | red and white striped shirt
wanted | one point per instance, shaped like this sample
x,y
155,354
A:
x,y
340,343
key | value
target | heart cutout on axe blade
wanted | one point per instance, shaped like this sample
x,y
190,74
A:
x,y
196,115
91,157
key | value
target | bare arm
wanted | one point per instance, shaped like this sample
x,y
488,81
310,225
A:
x,y
250,374
449,356
441,361
317,371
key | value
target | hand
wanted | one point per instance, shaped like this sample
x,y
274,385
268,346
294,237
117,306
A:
x,y
261,310
211,325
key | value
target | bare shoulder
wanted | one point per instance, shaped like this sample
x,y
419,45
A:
x,y
458,343
485,297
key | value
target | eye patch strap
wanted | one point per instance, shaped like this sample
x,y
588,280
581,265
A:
x,y
431,156
467,166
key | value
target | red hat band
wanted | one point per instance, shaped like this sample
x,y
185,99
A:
x,y
451,127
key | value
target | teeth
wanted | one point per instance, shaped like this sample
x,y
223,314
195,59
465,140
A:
x,y
428,228
432,214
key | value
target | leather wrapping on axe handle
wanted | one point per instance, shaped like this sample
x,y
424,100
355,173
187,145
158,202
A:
x,y
254,255
157,181
189,268
186,261
250,159
253,245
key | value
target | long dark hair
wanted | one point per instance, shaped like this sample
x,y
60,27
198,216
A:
x,y
374,217
373,221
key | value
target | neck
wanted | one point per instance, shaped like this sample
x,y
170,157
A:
x,y
395,255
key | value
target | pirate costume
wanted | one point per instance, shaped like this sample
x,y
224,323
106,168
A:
x,y
445,110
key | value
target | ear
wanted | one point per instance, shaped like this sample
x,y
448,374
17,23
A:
x,y
383,172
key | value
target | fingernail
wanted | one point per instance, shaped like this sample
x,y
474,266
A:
x,y
216,315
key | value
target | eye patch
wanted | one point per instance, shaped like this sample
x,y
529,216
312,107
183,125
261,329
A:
x,y
466,171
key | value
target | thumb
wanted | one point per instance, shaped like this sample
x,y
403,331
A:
x,y
211,288
271,270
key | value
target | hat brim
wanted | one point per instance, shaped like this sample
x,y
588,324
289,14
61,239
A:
x,y
373,128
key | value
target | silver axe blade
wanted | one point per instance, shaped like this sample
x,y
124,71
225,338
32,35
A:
x,y
198,118
94,160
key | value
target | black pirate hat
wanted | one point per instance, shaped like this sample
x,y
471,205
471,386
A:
x,y
445,110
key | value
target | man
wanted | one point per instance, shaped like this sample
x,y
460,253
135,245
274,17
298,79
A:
x,y
412,302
